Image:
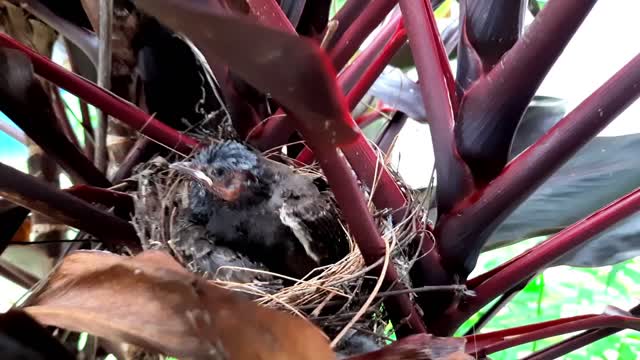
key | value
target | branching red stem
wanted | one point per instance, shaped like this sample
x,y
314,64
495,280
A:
x,y
472,222
368,66
361,225
577,341
438,93
485,344
546,253
362,26
345,17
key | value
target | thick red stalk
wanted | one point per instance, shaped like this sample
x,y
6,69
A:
x,y
104,100
545,254
358,77
369,167
372,64
358,31
438,93
347,14
492,107
373,115
485,344
577,341
278,128
352,73
360,222
463,231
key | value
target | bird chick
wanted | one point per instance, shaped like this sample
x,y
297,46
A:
x,y
263,209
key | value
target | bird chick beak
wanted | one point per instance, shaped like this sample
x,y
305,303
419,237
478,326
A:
x,y
228,189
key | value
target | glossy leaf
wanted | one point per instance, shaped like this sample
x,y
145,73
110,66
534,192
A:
x,y
605,169
151,301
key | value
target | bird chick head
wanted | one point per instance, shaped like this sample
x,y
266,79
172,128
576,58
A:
x,y
224,169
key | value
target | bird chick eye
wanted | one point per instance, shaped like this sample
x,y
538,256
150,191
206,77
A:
x,y
219,172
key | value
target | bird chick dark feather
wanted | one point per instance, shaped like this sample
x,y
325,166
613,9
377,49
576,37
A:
x,y
263,209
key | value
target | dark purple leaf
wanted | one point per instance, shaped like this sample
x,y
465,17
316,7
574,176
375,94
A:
x,y
605,169
489,30
542,113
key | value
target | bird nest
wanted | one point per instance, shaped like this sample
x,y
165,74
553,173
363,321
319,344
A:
x,y
343,298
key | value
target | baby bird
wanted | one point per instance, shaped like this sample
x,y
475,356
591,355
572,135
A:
x,y
263,209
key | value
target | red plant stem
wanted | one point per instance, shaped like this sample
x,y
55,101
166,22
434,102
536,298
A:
x,y
277,130
371,171
362,26
273,132
493,105
387,138
306,156
472,222
546,253
360,222
352,73
575,342
347,14
373,65
358,77
373,115
104,100
495,308
485,344
438,93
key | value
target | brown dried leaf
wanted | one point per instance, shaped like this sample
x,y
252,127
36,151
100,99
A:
x,y
149,300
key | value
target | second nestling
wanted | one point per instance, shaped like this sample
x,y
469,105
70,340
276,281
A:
x,y
263,209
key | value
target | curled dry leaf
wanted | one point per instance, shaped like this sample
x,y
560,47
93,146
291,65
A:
x,y
149,300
